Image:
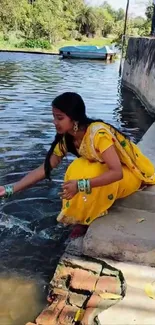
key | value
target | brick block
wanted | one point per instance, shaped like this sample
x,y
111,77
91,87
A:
x,y
89,315
76,261
83,280
49,315
76,299
108,284
61,275
67,315
97,301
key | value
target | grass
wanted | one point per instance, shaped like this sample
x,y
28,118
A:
x,y
13,42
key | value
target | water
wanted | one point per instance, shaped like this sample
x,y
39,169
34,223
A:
x,y
31,240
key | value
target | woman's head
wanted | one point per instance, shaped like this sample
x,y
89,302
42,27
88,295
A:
x,y
68,110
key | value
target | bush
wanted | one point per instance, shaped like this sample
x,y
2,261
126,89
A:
x,y
35,43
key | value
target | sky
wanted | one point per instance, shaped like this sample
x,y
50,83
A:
x,y
137,7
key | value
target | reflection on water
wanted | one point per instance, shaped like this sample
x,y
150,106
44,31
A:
x,y
31,240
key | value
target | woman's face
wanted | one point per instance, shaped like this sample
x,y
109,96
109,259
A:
x,y
61,121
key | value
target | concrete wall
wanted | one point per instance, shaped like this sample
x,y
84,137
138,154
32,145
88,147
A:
x,y
139,70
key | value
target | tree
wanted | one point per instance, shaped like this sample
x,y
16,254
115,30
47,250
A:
x,y
47,19
149,11
120,14
87,21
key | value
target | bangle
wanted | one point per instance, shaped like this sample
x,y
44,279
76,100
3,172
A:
x,y
81,185
84,186
88,187
9,190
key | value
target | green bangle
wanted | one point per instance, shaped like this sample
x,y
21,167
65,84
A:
x,y
8,190
88,187
81,185
84,186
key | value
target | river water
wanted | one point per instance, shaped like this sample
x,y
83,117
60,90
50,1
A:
x,y
31,241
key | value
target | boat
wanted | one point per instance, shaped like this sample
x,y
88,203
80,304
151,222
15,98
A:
x,y
88,52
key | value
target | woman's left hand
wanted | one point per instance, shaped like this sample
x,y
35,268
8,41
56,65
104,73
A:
x,y
69,189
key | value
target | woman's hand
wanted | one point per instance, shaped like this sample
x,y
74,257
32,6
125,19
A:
x,y
69,189
2,191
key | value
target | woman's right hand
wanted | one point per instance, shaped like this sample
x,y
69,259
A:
x,y
2,191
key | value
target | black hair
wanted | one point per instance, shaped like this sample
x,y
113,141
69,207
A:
x,y
73,106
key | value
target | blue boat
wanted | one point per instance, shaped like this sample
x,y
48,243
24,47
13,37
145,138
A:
x,y
88,52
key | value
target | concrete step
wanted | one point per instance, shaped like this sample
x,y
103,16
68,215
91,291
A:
x,y
141,200
149,188
136,308
123,235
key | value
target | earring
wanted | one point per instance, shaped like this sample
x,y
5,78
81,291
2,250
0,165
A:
x,y
75,127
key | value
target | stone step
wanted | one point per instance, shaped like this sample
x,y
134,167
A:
x,y
141,200
123,235
149,189
136,308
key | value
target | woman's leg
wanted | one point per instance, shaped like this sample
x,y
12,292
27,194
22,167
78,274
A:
x,y
84,208
129,184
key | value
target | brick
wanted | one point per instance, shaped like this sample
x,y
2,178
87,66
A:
x,y
49,315
83,263
96,301
89,315
56,294
60,292
67,315
76,299
108,284
45,318
83,280
61,275
62,271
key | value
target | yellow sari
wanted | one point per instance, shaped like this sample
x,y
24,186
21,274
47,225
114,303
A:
x,y
137,169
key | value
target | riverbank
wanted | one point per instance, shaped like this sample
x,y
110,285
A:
x,y
14,45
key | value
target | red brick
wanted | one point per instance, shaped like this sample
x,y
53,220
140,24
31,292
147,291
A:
x,y
56,294
76,299
82,263
67,315
49,316
60,276
94,301
108,284
84,280
60,292
89,316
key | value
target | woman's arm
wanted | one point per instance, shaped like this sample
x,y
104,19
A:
x,y
33,177
114,173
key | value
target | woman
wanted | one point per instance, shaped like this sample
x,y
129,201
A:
x,y
109,166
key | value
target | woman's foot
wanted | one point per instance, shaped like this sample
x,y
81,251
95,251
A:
x,y
78,231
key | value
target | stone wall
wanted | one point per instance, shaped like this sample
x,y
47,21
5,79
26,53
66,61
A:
x,y
139,70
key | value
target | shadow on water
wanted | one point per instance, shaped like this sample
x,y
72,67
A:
x,y
31,241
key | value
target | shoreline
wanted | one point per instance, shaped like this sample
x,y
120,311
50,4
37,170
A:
x,y
28,51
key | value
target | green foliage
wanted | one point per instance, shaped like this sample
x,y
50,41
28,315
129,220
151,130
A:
x,y
35,43
149,10
43,23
